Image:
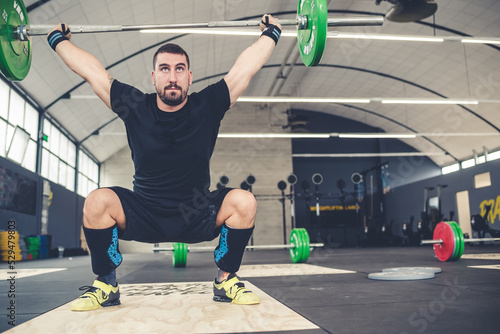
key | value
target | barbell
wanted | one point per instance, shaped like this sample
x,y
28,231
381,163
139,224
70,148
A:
x,y
15,32
299,248
449,242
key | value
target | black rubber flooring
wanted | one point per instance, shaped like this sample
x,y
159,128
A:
x,y
458,300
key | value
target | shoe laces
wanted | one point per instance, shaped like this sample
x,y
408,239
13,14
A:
x,y
89,288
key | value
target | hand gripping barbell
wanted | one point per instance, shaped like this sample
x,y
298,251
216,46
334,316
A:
x,y
448,241
15,32
299,248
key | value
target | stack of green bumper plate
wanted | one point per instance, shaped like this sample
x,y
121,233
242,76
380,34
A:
x,y
299,253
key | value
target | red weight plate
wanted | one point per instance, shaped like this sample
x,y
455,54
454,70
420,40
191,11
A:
x,y
444,251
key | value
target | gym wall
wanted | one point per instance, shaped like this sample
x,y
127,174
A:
x,y
407,200
64,212
12,194
337,226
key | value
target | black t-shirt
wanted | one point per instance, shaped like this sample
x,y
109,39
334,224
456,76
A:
x,y
171,150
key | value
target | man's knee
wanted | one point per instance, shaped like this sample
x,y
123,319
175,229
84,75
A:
x,y
99,202
245,204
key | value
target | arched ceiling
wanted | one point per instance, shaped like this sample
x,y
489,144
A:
x,y
350,67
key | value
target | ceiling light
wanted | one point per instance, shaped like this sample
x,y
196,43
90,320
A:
x,y
81,97
366,155
427,101
385,37
478,40
300,99
274,135
359,135
377,135
458,134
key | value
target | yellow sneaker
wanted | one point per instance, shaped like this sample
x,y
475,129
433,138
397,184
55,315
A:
x,y
98,295
231,290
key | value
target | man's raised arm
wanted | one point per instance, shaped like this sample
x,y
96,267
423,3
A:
x,y
253,58
81,62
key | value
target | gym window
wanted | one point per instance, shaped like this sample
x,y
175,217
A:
x,y
15,112
58,157
88,174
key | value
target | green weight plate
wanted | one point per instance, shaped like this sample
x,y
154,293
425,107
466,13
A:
x,y
179,255
455,242
460,240
306,249
185,254
176,254
15,55
461,243
459,237
295,252
312,41
300,239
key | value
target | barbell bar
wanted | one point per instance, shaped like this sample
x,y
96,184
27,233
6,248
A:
x,y
440,241
210,248
299,248
311,21
23,32
448,241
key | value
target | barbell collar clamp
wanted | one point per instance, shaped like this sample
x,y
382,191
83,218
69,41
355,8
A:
x,y
431,242
22,33
302,22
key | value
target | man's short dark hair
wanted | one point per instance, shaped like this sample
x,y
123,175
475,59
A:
x,y
170,48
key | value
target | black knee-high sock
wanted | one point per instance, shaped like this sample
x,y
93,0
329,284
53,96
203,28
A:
x,y
104,252
232,243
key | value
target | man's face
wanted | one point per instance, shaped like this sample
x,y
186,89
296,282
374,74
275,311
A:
x,y
172,78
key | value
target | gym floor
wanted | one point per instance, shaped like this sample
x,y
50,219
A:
x,y
463,298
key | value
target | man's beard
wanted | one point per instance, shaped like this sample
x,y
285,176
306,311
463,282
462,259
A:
x,y
170,97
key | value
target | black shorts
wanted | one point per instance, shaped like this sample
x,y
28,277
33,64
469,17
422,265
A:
x,y
183,223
